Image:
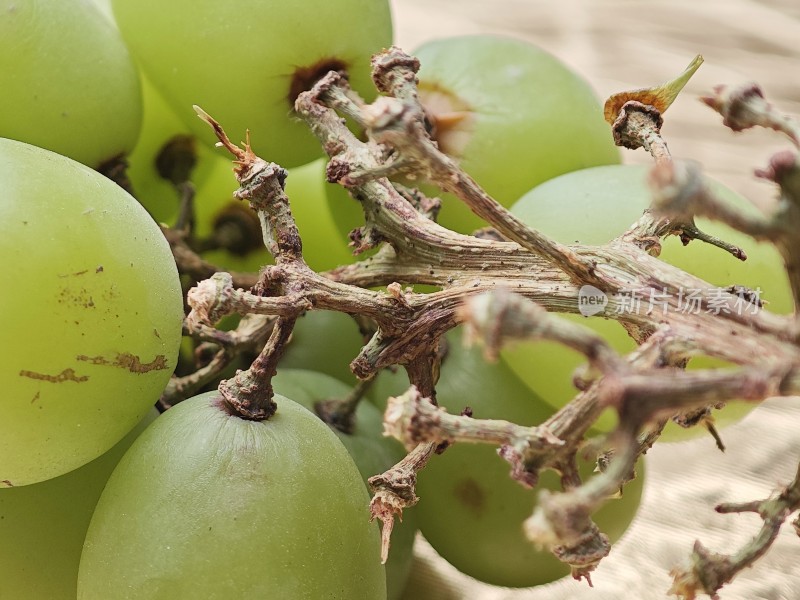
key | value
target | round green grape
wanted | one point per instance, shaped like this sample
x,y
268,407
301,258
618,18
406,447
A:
x,y
470,510
324,341
511,114
42,526
245,64
161,128
210,505
593,206
372,452
69,84
93,322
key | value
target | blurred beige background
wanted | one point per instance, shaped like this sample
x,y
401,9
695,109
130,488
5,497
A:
x,y
625,44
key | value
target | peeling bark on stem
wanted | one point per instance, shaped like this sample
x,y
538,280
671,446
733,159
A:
x,y
492,283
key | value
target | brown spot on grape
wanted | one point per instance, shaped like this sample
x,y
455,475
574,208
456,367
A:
x,y
131,362
65,375
80,297
471,495
35,398
6,483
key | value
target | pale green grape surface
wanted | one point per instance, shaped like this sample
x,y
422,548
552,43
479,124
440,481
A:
x,y
372,452
593,206
43,526
209,505
237,61
511,114
92,313
68,83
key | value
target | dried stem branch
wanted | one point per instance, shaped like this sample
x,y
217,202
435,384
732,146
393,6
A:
x,y
744,107
709,571
250,335
192,264
778,229
413,419
639,126
394,491
474,274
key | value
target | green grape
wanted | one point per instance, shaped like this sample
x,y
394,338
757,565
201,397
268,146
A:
x,y
166,154
236,229
217,212
227,227
493,100
105,8
510,113
372,452
470,510
93,324
42,526
210,505
69,84
323,246
595,205
160,127
245,64
324,341
345,211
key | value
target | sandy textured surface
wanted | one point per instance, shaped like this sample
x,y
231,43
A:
x,y
618,45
